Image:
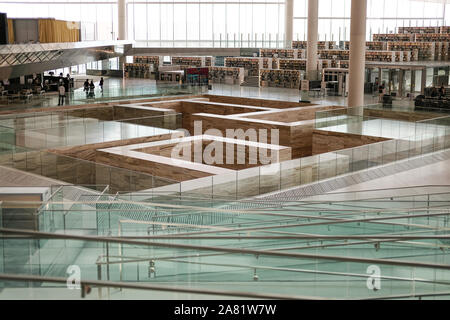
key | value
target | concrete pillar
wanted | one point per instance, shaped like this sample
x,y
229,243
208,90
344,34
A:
x,y
313,29
423,81
413,81
357,53
122,19
401,79
289,22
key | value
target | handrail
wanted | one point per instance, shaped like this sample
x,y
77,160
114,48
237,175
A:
x,y
124,285
47,235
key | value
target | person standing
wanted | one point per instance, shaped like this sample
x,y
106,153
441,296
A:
x,y
381,92
62,94
441,92
101,84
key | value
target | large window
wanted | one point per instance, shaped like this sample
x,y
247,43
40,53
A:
x,y
383,16
209,22
227,22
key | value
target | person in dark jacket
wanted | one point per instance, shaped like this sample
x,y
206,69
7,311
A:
x,y
91,89
86,86
100,84
441,92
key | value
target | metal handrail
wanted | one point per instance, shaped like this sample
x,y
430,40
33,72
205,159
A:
x,y
124,285
46,235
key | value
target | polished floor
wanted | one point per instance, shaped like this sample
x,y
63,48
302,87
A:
x,y
117,88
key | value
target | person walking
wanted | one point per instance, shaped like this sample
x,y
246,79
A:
x,y
101,84
91,89
62,93
86,86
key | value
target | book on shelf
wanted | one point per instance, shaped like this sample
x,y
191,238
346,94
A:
x,y
419,29
292,64
393,37
138,70
321,45
280,78
432,37
252,65
227,75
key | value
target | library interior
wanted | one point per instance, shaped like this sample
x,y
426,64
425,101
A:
x,y
233,149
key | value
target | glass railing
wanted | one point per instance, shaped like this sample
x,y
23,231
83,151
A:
x,y
76,171
88,131
114,94
373,247
47,120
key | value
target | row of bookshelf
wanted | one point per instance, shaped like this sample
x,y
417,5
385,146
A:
x,y
370,45
412,37
388,56
334,54
189,61
270,63
292,64
157,61
280,78
443,29
283,53
321,45
226,75
138,70
420,51
251,65
433,37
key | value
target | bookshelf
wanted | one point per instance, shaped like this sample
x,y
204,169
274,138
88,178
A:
x,y
384,56
393,37
157,61
270,63
189,61
210,61
442,51
432,37
343,64
419,29
420,51
334,54
251,65
280,78
321,45
278,53
370,45
226,75
292,64
445,29
138,70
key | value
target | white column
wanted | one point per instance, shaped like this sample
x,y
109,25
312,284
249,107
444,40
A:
x,y
313,29
357,53
122,19
289,22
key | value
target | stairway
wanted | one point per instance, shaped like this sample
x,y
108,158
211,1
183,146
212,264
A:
x,y
251,82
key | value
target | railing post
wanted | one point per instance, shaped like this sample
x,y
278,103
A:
x,y
99,277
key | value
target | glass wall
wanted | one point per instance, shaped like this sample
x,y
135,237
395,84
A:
x,y
181,23
222,23
383,16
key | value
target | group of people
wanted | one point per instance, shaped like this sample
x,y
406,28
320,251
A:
x,y
89,87
435,93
